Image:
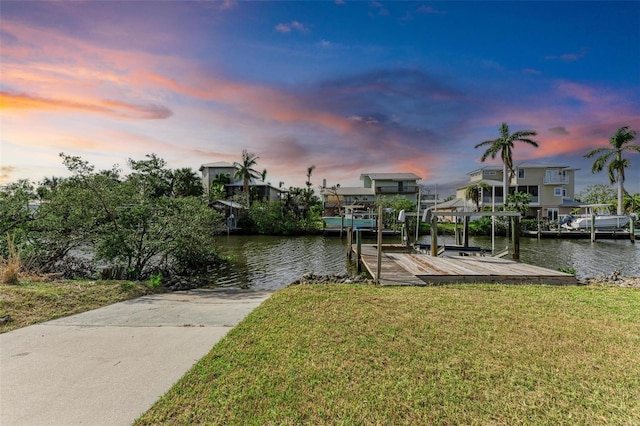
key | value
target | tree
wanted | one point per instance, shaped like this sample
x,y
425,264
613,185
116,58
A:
x,y
47,186
518,202
632,203
14,205
504,145
245,170
597,194
612,158
186,183
474,193
154,178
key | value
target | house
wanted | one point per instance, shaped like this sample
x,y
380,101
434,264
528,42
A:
x,y
551,187
403,185
224,172
335,198
375,186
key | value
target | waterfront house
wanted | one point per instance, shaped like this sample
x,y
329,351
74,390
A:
x,y
375,186
403,185
224,172
551,187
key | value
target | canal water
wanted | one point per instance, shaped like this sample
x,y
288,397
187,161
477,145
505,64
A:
x,y
270,263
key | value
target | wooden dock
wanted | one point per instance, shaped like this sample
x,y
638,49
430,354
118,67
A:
x,y
400,267
584,235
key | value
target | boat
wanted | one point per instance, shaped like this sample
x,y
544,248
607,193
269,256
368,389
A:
x,y
602,219
353,218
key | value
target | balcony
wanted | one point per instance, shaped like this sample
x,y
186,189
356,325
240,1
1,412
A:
x,y
556,180
397,189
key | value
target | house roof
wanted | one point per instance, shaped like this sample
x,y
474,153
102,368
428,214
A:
x,y
254,182
456,203
218,165
231,204
390,176
488,182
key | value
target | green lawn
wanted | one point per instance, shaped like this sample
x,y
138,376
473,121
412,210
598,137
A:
x,y
33,302
467,354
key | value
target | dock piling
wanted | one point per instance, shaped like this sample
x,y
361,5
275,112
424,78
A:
x,y
434,235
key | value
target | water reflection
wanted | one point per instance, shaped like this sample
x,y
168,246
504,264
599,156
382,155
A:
x,y
270,263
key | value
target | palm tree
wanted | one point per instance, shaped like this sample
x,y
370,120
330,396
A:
x,y
186,183
474,193
310,170
631,203
504,145
245,170
613,156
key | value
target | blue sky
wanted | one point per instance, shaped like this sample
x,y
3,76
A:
x,y
350,87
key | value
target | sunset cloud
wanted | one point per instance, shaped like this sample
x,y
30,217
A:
x,y
560,130
199,81
12,101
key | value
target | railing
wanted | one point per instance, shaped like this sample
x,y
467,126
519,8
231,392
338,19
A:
x,y
558,180
396,190
486,200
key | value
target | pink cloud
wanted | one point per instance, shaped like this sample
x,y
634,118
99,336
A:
x,y
293,25
11,101
568,57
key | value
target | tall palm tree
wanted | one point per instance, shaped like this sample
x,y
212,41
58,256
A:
x,y
310,170
613,156
504,145
245,170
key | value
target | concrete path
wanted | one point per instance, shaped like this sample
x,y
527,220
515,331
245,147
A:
x,y
108,366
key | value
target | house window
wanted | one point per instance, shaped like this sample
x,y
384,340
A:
x,y
552,214
559,192
520,173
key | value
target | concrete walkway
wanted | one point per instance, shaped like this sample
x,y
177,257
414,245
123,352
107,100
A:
x,y
108,366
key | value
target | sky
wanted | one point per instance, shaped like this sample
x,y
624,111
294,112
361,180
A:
x,y
348,86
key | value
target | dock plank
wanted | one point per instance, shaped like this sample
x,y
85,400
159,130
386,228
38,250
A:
x,y
404,268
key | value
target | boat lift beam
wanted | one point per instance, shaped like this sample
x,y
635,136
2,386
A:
x,y
516,228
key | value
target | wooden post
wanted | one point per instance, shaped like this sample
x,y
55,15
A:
x,y
516,238
465,231
632,230
539,226
341,225
349,241
434,235
359,251
593,227
456,233
379,265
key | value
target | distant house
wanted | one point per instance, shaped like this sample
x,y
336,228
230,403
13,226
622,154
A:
x,y
551,187
335,198
403,185
375,185
222,170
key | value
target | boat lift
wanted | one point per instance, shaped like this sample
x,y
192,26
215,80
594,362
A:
x,y
435,251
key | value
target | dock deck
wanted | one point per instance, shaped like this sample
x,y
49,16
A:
x,y
402,268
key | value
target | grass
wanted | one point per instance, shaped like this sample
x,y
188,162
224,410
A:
x,y
33,302
468,354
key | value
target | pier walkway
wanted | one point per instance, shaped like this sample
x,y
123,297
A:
x,y
404,268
